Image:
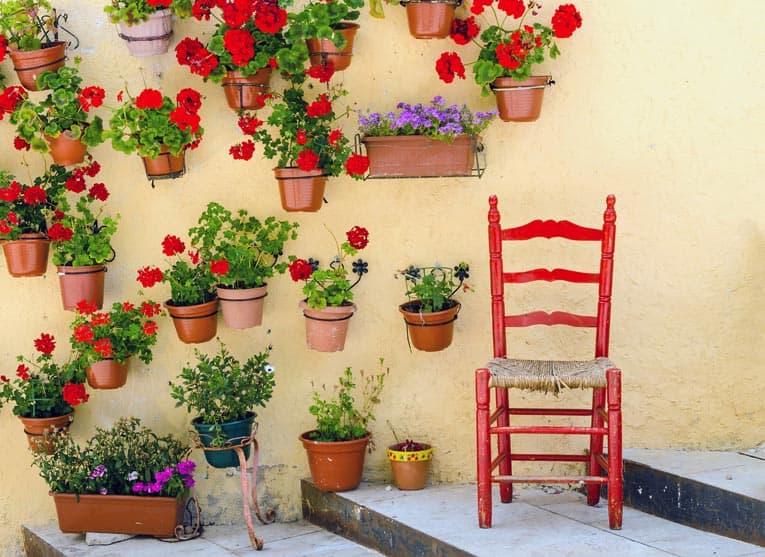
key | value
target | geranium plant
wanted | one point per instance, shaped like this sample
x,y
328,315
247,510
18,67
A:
x,y
25,208
251,247
319,20
26,25
506,49
332,286
430,289
41,387
10,98
135,11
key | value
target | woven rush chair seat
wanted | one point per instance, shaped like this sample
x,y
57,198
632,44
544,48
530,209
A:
x,y
549,376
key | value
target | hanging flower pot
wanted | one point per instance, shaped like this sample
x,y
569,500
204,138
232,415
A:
x,y
36,428
429,332
27,256
236,433
65,149
419,155
165,165
520,101
323,51
410,463
430,19
107,374
245,92
301,190
326,329
81,283
30,64
242,308
335,465
148,38
194,324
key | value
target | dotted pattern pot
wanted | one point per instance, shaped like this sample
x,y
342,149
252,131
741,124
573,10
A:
x,y
326,329
429,332
27,256
235,432
29,65
243,92
242,308
322,51
520,101
430,19
410,468
300,190
81,283
336,465
148,38
194,324
35,428
107,374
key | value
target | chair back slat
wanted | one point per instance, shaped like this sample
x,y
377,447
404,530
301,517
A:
x,y
552,229
551,275
550,318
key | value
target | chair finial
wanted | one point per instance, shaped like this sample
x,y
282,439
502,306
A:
x,y
610,214
493,211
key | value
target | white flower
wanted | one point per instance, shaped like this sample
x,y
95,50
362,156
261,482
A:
x,y
133,476
268,368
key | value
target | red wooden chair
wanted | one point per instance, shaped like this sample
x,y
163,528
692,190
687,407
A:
x,y
502,374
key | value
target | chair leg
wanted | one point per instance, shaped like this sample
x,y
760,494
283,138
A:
x,y
483,447
615,467
596,445
503,445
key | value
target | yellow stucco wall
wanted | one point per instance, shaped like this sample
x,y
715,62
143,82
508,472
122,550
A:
x,y
657,102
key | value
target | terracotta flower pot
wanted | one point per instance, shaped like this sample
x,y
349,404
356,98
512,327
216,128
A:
x,y
243,92
29,65
165,165
300,190
36,428
242,308
326,329
419,155
194,324
81,283
27,256
335,465
429,332
107,374
148,38
430,19
410,468
322,51
520,101
66,150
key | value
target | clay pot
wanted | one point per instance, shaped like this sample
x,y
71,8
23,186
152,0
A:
x,y
429,332
148,38
65,149
322,51
244,92
419,155
30,64
194,324
410,468
165,165
326,329
242,308
36,428
27,256
335,465
430,19
81,283
300,190
107,374
520,101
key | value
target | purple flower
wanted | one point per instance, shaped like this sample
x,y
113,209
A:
x,y
138,487
164,476
98,472
186,467
102,491
154,487
188,481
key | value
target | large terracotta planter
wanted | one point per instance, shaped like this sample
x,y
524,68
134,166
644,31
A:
x,y
429,332
27,256
29,65
322,51
107,374
165,165
118,514
244,92
148,38
300,190
242,308
520,101
194,324
335,466
419,155
81,283
65,149
326,329
430,19
36,428
236,433
410,468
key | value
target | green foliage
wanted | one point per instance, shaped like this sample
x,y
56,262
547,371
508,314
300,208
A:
x,y
320,20
136,11
31,217
25,23
431,288
190,283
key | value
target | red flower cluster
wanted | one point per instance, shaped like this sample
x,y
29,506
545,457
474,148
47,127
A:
x,y
3,47
46,344
450,65
300,269
150,328
269,17
356,165
86,308
566,20
22,372
159,3
219,267
464,30
320,107
91,97
148,99
358,237
240,44
185,116
10,99
74,394
192,53
172,245
307,160
35,195
150,310
249,124
59,233
322,72
149,276
513,8
243,151
11,193
20,145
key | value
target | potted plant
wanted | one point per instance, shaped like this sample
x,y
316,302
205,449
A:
x,y
429,19
431,311
158,129
410,463
146,25
104,342
44,393
328,303
423,140
125,479
223,393
509,52
336,446
252,249
193,304
29,30
62,123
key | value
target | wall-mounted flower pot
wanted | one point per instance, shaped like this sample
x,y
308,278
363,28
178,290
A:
x,y
81,283
107,374
430,19
27,256
326,329
236,433
65,149
520,101
243,92
36,428
301,190
335,465
242,308
165,165
410,468
148,38
429,332
322,51
30,64
419,155
194,324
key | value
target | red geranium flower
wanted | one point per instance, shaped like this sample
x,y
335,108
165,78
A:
x,y
219,267
301,138
356,165
565,21
98,191
83,333
237,12
334,137
358,237
202,9
86,308
189,99
46,344
300,269
149,276
4,228
11,193
172,245
194,256
20,145
104,347
150,310
92,169
307,160
249,124
3,47
240,44
102,318
514,8
242,151
91,96
74,394
320,107
185,120
464,30
270,18
12,217
10,99
22,372
322,72
150,328
149,98
76,183
59,233
449,65
478,6
159,3
127,306
35,196
505,58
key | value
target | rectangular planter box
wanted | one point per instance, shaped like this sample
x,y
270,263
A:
x,y
418,155
118,514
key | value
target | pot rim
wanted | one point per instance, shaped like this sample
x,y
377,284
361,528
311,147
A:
x,y
306,441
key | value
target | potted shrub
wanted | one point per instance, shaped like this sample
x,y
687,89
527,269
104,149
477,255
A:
x,y
336,446
44,393
125,479
328,303
193,304
223,393
423,140
29,30
158,129
410,463
252,248
146,26
509,48
431,311
104,342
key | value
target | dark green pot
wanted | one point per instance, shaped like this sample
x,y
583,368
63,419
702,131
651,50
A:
x,y
235,432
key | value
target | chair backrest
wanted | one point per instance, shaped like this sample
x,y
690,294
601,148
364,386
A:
x,y
551,229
